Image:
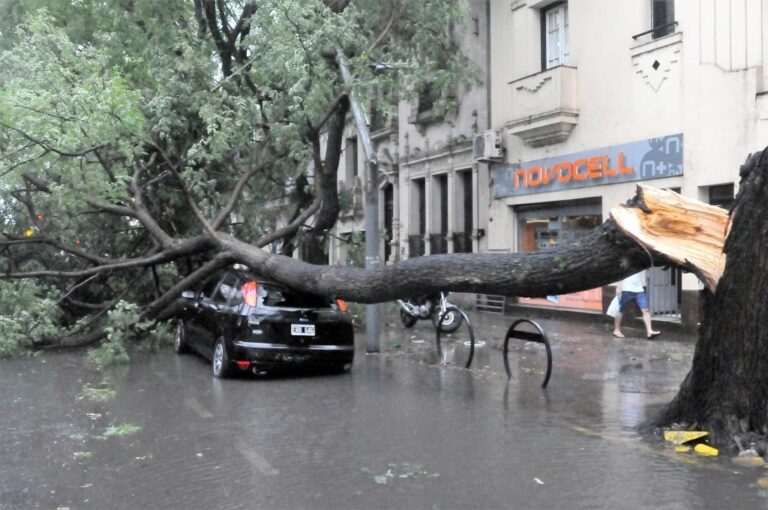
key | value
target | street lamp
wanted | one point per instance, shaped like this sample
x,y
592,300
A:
x,y
372,259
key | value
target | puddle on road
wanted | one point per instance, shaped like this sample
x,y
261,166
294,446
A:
x,y
405,429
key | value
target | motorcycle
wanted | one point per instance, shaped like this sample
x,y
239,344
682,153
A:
x,y
430,306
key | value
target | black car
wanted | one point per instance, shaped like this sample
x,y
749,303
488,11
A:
x,y
244,324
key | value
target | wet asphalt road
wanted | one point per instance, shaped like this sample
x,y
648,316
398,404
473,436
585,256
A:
x,y
401,430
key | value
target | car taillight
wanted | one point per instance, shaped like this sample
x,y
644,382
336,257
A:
x,y
250,292
342,305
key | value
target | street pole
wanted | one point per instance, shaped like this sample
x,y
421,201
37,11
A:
x,y
372,260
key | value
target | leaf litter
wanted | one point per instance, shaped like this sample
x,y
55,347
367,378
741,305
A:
x,y
403,471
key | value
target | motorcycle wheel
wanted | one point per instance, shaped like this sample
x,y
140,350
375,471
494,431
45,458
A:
x,y
453,320
407,319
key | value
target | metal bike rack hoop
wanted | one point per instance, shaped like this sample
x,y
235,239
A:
x,y
538,337
471,333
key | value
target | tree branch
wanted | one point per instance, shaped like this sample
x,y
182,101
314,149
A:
x,y
179,249
234,196
163,307
318,125
396,14
288,229
48,148
141,211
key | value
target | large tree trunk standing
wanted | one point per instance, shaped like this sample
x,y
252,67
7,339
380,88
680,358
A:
x,y
726,391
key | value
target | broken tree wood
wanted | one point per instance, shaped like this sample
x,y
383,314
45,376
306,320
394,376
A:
x,y
689,232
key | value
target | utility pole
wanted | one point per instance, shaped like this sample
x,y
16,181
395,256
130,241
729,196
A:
x,y
372,260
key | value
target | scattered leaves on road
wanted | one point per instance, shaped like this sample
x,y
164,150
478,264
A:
x,y
122,430
82,455
97,394
403,471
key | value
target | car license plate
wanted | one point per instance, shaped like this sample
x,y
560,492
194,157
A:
x,y
303,329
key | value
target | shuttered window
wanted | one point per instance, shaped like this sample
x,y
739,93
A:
x,y
557,48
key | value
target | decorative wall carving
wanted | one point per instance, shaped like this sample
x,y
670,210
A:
x,y
658,61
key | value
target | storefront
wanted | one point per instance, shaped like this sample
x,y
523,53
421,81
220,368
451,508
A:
x,y
557,200
543,226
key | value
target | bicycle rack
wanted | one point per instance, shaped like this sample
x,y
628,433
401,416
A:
x,y
529,336
471,334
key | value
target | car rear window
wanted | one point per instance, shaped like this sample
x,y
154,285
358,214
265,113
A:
x,y
291,299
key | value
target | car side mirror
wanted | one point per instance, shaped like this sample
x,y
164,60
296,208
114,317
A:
x,y
188,294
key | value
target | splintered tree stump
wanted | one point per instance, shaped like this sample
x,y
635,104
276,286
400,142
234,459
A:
x,y
688,232
726,390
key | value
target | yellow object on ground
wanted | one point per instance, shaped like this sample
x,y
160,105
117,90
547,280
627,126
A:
x,y
749,461
762,483
683,436
682,449
706,450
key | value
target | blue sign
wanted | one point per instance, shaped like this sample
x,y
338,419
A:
x,y
656,158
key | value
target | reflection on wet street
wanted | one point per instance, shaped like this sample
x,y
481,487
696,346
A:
x,y
403,429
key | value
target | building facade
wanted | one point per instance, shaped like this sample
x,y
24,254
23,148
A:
x,y
593,97
433,194
583,100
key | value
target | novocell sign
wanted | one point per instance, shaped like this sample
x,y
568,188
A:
x,y
655,158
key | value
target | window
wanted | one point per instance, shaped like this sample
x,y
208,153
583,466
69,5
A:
x,y
662,17
427,99
462,238
350,157
228,291
276,296
439,225
721,195
555,47
418,222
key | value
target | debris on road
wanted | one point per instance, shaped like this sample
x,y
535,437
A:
x,y
122,430
401,471
706,450
679,437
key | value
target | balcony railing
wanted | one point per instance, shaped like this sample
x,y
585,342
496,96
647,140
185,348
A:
x,y
462,242
416,245
658,31
438,243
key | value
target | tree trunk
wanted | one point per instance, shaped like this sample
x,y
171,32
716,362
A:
x,y
605,256
726,391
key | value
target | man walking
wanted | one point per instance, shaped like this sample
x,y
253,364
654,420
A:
x,y
632,289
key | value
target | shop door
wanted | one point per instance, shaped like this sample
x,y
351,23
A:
x,y
663,292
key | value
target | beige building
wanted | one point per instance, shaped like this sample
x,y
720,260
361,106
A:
x,y
592,97
583,100
433,194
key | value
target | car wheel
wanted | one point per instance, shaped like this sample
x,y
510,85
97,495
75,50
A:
x,y
407,319
180,341
452,320
220,364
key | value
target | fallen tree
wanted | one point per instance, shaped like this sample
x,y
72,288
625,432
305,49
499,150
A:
x,y
120,182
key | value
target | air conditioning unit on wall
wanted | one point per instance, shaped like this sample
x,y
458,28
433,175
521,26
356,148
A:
x,y
487,146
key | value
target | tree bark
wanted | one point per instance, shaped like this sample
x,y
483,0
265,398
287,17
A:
x,y
726,390
605,256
